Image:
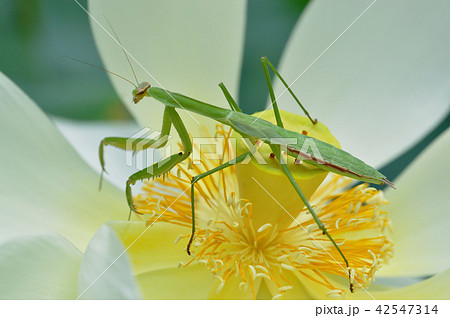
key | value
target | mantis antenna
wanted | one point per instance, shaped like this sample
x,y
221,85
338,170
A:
x,y
115,74
123,50
100,68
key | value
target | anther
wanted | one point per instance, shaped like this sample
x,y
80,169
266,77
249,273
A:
x,y
336,224
222,283
350,208
264,227
179,237
358,205
262,268
276,296
336,293
263,276
282,257
288,267
253,270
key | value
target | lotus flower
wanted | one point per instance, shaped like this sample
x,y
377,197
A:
x,y
62,239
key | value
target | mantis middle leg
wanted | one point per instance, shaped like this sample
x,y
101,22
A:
x,y
201,176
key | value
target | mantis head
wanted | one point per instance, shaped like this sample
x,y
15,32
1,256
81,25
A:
x,y
140,91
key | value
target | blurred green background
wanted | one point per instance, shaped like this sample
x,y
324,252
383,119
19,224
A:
x,y
37,35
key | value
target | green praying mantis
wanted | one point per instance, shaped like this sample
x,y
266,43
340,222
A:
x,y
330,158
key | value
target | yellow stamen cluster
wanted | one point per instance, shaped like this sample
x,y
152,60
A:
x,y
232,247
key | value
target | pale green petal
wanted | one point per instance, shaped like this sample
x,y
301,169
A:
x,y
192,282
185,46
265,289
304,288
264,292
45,185
155,258
436,287
380,86
232,290
419,211
298,290
106,271
152,248
39,267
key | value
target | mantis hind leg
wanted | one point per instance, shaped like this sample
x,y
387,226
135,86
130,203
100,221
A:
x,y
234,106
135,144
266,64
201,176
319,223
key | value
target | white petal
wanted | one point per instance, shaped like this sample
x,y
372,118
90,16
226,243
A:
x,y
152,248
436,287
106,272
85,138
419,211
156,258
39,267
380,86
185,47
45,185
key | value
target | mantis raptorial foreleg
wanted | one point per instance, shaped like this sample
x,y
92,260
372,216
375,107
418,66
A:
x,y
201,176
135,144
164,165
266,63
